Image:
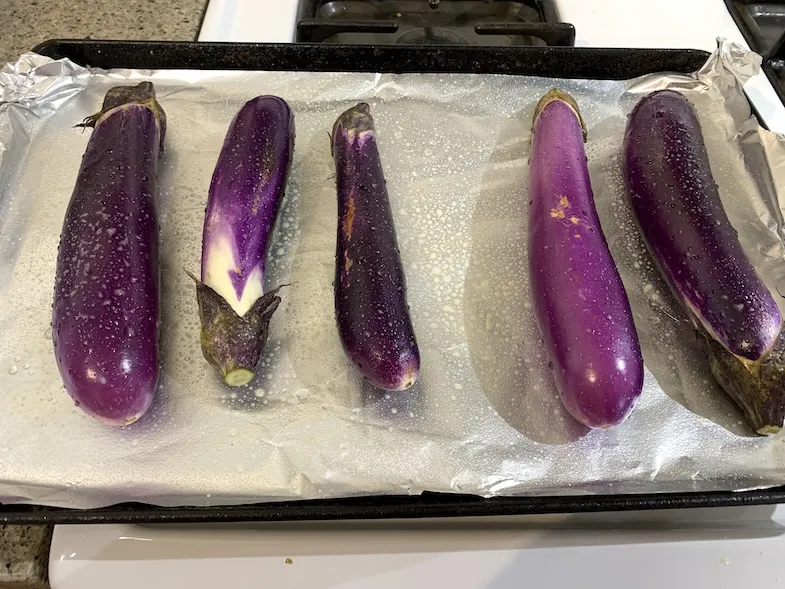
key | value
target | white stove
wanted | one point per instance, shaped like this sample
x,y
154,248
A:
x,y
678,24
716,548
731,548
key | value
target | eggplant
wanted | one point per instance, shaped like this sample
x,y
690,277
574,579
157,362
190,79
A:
x,y
246,192
580,304
371,311
107,298
678,209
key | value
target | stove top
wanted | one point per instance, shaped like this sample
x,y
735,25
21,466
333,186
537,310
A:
x,y
432,22
763,27
761,23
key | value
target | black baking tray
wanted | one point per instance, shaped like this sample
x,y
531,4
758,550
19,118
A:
x,y
564,62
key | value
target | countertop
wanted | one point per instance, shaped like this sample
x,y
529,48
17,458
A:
x,y
26,23
24,550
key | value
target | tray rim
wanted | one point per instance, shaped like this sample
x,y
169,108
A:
x,y
374,507
385,58
505,60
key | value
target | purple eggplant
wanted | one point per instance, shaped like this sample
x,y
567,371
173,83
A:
x,y
246,192
677,206
579,300
107,300
370,288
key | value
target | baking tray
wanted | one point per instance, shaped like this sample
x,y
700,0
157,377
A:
x,y
565,62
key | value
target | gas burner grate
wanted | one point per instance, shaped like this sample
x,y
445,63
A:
x,y
432,22
761,23
763,27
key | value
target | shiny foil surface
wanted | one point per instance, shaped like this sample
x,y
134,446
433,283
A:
x,y
484,418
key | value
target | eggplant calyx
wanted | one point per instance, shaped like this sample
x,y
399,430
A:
x,y
354,122
143,94
560,95
758,390
230,343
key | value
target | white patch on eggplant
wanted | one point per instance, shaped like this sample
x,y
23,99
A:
x,y
219,265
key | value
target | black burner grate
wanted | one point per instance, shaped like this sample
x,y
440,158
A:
x,y
761,23
763,27
433,22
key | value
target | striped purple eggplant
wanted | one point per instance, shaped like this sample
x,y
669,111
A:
x,y
579,300
107,301
677,206
370,289
246,192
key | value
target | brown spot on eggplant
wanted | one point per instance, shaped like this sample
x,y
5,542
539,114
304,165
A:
x,y
348,219
558,212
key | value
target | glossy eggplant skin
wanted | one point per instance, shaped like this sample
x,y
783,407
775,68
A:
x,y
246,192
370,288
580,303
107,298
678,209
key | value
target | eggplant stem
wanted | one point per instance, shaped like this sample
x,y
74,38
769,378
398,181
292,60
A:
x,y
88,122
756,387
143,94
769,430
560,95
238,377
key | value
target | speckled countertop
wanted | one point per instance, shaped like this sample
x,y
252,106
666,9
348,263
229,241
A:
x,y
26,23
24,550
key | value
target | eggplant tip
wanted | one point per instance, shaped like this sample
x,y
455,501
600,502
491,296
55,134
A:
x,y
408,383
120,422
238,377
408,380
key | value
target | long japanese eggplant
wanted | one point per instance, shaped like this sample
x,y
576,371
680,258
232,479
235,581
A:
x,y
580,303
677,206
106,302
246,192
370,289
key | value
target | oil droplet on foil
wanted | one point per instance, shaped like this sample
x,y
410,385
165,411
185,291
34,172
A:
x,y
13,370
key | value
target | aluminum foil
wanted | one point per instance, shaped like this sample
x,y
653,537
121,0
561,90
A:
x,y
485,417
